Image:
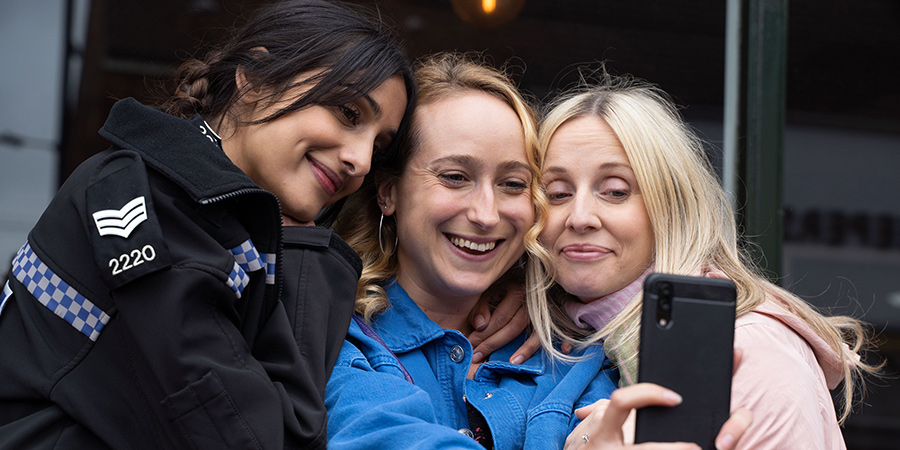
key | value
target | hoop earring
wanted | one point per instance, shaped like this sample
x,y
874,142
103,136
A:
x,y
380,245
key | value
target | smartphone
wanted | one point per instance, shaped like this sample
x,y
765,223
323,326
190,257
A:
x,y
687,340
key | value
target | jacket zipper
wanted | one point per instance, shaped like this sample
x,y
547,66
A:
x,y
280,247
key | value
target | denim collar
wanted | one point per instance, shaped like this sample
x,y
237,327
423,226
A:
x,y
405,327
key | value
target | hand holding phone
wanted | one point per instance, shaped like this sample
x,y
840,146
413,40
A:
x,y
687,339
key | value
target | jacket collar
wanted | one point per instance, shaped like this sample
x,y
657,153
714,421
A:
x,y
405,327
831,362
184,151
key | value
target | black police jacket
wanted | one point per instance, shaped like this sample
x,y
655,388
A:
x,y
159,303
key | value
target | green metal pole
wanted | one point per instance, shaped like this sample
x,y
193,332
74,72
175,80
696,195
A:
x,y
760,163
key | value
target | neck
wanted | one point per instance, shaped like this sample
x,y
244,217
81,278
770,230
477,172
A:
x,y
450,312
598,312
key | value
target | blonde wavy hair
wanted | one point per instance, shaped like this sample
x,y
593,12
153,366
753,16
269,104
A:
x,y
692,220
373,236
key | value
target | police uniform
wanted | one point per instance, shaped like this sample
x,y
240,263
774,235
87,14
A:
x,y
159,303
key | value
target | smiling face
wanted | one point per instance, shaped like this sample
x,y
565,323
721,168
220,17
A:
x,y
315,156
463,203
598,230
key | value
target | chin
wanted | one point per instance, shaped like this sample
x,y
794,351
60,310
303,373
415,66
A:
x,y
468,285
581,290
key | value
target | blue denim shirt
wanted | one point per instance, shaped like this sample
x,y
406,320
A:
x,y
371,405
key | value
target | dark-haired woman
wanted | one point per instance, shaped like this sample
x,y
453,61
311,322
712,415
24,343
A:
x,y
166,298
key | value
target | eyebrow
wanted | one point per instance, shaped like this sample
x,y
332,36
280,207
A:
x,y
463,160
468,160
376,108
604,166
509,166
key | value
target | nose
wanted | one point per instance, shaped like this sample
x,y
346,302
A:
x,y
483,209
584,214
356,157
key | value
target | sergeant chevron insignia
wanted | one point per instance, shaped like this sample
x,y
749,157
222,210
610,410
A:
x,y
121,222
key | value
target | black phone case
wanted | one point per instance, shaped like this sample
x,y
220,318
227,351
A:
x,y
692,354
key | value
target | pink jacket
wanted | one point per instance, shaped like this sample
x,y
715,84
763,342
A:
x,y
785,379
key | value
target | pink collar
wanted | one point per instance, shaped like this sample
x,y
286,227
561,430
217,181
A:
x,y
598,313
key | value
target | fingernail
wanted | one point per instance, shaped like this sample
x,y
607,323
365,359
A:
x,y
672,396
477,357
724,442
518,359
480,323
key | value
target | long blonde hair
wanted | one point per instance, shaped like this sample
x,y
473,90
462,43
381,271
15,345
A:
x,y
372,235
692,220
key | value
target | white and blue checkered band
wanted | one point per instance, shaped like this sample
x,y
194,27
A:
x,y
247,259
54,293
238,280
270,267
247,256
7,293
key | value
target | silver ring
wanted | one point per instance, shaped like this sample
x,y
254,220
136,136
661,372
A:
x,y
585,437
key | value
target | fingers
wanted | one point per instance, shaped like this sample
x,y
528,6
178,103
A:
x,y
629,426
495,339
623,400
508,320
481,315
599,405
733,429
602,434
527,350
604,424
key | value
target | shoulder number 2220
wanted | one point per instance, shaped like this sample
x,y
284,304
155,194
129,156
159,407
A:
x,y
131,259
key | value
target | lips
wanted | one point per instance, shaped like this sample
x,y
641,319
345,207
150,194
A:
x,y
329,180
584,252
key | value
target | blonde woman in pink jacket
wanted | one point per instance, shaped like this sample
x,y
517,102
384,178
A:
x,y
630,193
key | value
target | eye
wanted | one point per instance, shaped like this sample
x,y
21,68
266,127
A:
x,y
452,178
558,197
558,192
615,189
350,113
514,185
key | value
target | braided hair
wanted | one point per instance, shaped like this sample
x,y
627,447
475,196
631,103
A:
x,y
349,49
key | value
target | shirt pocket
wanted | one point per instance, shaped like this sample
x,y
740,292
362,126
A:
x,y
204,414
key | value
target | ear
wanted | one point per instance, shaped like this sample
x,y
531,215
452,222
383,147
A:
x,y
248,92
387,196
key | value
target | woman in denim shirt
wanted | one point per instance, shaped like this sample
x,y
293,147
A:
x,y
436,229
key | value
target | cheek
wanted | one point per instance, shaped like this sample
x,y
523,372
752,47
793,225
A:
x,y
553,227
640,236
421,205
351,186
520,213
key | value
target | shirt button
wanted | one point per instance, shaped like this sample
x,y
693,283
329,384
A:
x,y
457,353
467,432
488,395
